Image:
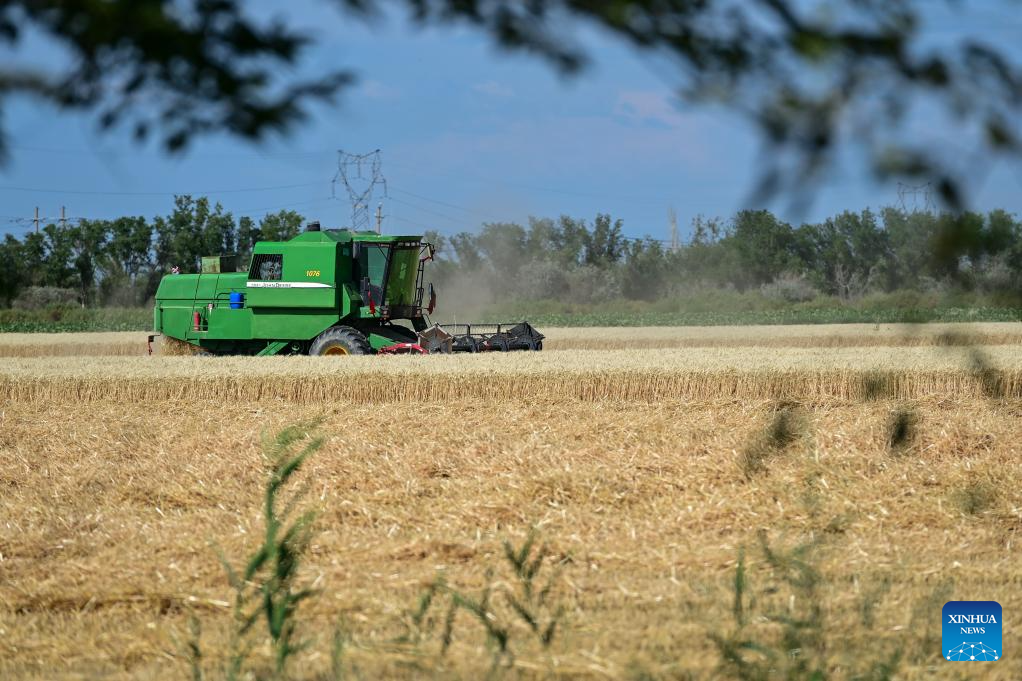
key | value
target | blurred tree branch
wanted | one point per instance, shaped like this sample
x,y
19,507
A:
x,y
810,75
182,68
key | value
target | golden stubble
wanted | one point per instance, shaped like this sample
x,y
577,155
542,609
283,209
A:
x,y
133,343
115,500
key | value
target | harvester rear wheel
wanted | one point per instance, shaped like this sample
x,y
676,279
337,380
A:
x,y
340,340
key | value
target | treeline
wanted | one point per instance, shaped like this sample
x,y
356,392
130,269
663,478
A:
x,y
845,257
120,262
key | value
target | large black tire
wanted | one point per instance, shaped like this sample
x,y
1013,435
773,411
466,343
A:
x,y
340,340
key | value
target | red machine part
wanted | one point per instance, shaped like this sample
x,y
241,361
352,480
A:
x,y
402,349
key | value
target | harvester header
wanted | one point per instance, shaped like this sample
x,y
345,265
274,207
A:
x,y
323,292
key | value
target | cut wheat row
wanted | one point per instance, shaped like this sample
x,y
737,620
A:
x,y
607,338
526,363
623,385
810,373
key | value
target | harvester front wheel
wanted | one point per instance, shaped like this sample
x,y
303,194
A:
x,y
340,340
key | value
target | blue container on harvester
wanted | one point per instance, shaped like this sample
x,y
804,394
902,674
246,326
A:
x,y
237,301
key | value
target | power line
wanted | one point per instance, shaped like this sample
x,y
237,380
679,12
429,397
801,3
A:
x,y
311,154
255,211
458,221
175,193
104,152
532,187
439,203
411,222
30,222
360,174
429,210
250,212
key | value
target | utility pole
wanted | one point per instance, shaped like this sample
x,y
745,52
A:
x,y
36,220
673,218
379,218
63,218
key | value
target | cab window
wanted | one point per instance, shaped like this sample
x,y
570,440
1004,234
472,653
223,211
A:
x,y
371,261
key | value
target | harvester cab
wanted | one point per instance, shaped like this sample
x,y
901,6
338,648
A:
x,y
323,292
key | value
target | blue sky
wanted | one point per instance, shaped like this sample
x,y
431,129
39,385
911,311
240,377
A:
x,y
469,134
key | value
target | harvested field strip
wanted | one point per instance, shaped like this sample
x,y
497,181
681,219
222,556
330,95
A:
x,y
112,344
114,515
796,336
121,344
513,364
590,376
588,386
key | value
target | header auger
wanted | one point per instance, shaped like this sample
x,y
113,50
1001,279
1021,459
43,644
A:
x,y
324,292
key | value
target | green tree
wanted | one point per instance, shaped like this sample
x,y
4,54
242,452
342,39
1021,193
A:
x,y
504,247
542,241
466,251
764,247
1001,232
280,226
851,252
911,237
58,260
126,261
219,233
644,273
192,230
572,238
605,244
130,245
88,242
34,256
707,262
12,269
248,235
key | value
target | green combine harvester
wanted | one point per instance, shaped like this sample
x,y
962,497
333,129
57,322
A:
x,y
324,292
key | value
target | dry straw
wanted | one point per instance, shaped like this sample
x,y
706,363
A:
x,y
112,497
115,343
600,338
807,374
109,511
793,336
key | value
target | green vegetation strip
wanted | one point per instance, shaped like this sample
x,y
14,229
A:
x,y
63,320
815,316
140,319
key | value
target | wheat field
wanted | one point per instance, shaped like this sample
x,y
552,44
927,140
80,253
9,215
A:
x,y
649,474
130,343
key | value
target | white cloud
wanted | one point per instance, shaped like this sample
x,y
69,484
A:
x,y
648,108
492,88
553,145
